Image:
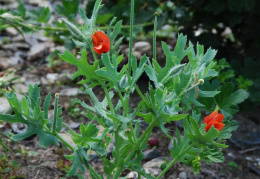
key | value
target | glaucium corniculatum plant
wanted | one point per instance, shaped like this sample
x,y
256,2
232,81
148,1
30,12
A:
x,y
171,97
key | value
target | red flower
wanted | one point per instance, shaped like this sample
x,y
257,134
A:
x,y
101,42
214,119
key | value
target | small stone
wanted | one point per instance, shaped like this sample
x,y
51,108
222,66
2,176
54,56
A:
x,y
19,128
11,31
132,175
142,46
67,138
21,88
155,163
183,175
137,54
38,50
154,172
170,146
69,92
151,154
52,77
4,105
74,125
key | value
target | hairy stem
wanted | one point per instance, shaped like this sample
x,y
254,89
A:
x,y
108,98
55,114
131,36
173,161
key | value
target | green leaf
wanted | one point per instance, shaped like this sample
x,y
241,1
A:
x,y
45,139
84,69
179,50
68,8
21,9
208,94
176,117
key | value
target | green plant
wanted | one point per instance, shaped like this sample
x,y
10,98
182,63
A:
x,y
232,165
8,169
174,91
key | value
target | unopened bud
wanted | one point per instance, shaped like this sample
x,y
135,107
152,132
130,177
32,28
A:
x,y
57,95
201,81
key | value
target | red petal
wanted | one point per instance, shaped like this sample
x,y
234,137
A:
x,y
219,126
101,37
95,42
99,49
218,118
210,117
106,47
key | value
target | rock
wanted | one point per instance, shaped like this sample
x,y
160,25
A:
x,y
19,128
74,125
52,77
69,92
4,105
154,172
38,50
21,88
170,146
142,46
151,154
30,79
137,54
61,49
16,46
155,163
11,31
67,138
183,175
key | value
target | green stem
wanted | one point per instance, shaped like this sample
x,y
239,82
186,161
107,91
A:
x,y
126,106
118,172
64,142
131,37
146,139
60,138
94,172
108,98
55,114
120,96
137,144
173,161
154,36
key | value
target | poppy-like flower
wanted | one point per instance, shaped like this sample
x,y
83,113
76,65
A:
x,y
214,119
101,42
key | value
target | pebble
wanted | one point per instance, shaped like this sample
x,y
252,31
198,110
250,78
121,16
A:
x,y
19,128
155,163
67,138
142,46
11,31
151,154
21,88
69,92
74,125
4,105
38,50
52,77
183,175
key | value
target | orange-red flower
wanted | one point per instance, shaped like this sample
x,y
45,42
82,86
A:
x,y
101,42
214,119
